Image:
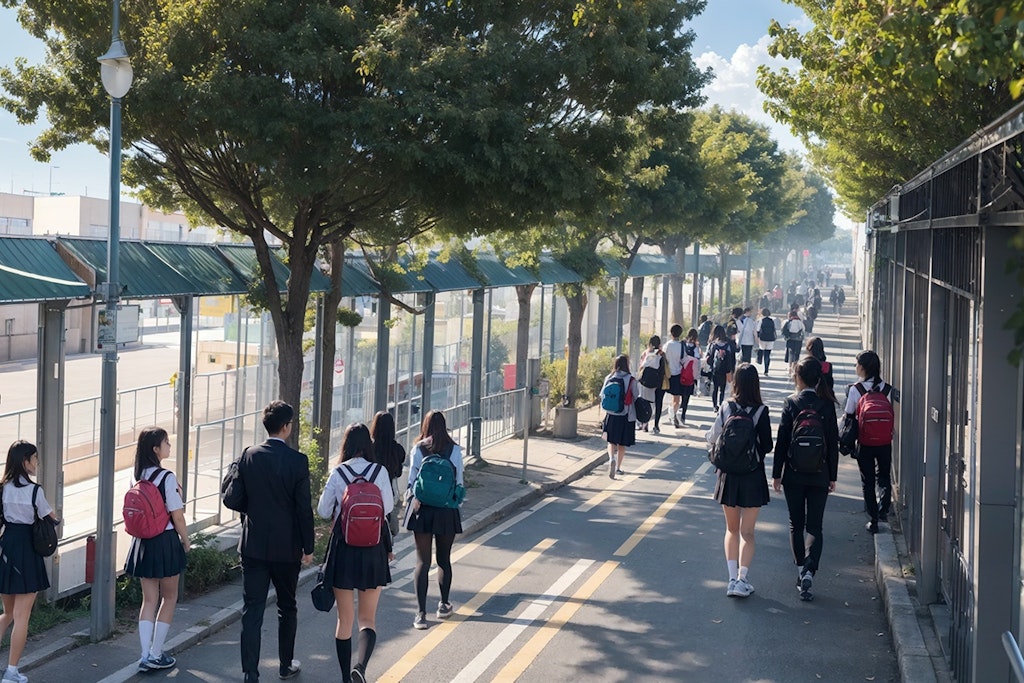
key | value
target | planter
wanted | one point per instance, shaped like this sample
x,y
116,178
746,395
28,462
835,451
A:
x,y
565,422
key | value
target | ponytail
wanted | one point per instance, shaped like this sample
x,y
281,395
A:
x,y
809,370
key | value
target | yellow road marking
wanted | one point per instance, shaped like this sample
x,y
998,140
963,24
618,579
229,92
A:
x,y
515,668
660,513
438,633
602,496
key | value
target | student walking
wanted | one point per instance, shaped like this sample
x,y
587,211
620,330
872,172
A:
x,y
618,395
793,333
674,351
388,452
434,525
157,562
870,403
765,338
357,569
704,328
722,361
653,379
22,571
277,537
747,334
806,463
689,373
742,492
815,348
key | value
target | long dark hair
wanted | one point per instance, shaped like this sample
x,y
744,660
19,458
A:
x,y
435,428
621,363
718,334
809,370
382,432
18,454
816,348
150,439
746,387
355,443
872,365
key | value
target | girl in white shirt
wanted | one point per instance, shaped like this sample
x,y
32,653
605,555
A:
x,y
363,569
22,572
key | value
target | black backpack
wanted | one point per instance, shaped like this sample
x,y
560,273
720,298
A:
x,y
735,451
767,332
651,377
807,448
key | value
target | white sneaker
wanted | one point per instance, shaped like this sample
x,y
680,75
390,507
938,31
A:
x,y
743,588
611,467
15,677
731,590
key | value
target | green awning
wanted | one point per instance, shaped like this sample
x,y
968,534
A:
x,y
202,265
31,270
449,276
554,273
497,274
142,274
356,281
649,265
243,259
612,266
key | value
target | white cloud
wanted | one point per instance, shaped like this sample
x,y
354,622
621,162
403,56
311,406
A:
x,y
734,86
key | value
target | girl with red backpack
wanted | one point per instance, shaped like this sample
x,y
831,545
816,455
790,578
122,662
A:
x,y
362,568
869,403
158,561
815,348
806,463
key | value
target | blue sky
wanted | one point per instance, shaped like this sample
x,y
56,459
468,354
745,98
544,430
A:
x,y
731,39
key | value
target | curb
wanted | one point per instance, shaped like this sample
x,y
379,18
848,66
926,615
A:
x,y
232,613
915,664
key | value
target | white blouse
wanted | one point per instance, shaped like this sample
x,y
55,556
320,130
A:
x,y
18,502
334,489
172,492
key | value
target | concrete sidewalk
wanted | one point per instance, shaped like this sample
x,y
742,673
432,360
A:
x,y
495,490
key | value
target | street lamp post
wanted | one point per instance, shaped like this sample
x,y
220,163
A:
x,y
116,74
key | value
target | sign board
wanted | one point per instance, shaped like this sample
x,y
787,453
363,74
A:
x,y
124,328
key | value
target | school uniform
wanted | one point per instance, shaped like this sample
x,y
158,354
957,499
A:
x,y
21,569
357,568
429,519
874,462
163,555
620,428
750,489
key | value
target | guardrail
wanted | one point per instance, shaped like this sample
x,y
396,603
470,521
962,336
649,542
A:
x,y
1014,655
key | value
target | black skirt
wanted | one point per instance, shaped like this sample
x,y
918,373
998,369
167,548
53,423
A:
x,y
437,521
156,558
21,568
359,568
742,490
620,430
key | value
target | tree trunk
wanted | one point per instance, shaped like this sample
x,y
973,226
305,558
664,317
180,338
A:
x,y
332,299
524,294
576,302
635,309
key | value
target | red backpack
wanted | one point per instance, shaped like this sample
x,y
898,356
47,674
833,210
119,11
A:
x,y
362,508
145,507
686,374
874,416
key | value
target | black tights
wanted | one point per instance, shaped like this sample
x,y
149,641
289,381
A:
x,y
659,404
444,566
718,390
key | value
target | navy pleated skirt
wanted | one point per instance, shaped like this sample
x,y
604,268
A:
x,y
360,568
749,490
437,521
21,568
157,557
619,429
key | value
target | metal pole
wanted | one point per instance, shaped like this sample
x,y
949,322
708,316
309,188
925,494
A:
x,y
696,284
540,333
380,384
554,312
526,427
428,355
476,375
102,625
746,286
487,349
620,312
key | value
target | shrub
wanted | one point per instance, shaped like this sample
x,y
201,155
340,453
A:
x,y
594,366
207,566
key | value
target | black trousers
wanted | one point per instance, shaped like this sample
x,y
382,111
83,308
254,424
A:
x,y
257,576
718,384
806,512
745,350
875,463
659,404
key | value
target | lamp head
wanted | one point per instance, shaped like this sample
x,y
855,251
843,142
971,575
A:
x,y
116,70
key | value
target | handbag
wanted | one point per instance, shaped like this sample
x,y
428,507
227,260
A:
x,y
44,530
232,487
322,594
848,436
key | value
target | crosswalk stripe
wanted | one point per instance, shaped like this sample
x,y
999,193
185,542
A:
x,y
660,513
515,668
438,633
479,665
617,485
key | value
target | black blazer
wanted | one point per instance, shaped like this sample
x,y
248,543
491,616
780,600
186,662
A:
x,y
791,408
278,524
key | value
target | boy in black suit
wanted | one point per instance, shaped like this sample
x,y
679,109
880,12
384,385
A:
x,y
277,533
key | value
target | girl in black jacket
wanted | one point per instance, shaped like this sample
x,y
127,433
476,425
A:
x,y
807,483
722,361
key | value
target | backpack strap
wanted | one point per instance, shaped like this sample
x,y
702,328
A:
x,y
341,473
35,492
369,467
160,486
757,414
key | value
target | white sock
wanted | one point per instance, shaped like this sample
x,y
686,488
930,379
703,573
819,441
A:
x,y
145,637
743,573
159,635
732,569
12,669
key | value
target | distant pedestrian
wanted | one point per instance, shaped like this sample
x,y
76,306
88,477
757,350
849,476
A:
x,y
653,380
356,569
22,571
874,458
742,494
388,452
732,328
810,316
158,561
833,298
619,426
747,334
766,336
793,333
722,361
674,352
806,463
277,536
434,525
842,299
704,328
815,348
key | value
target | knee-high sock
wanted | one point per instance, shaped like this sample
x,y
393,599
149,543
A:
x,y
159,636
145,637
367,639
344,650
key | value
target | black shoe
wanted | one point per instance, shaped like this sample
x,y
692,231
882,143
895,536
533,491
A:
x,y
872,527
252,678
357,674
290,671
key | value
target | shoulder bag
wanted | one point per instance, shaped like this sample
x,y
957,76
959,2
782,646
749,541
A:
x,y
44,530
